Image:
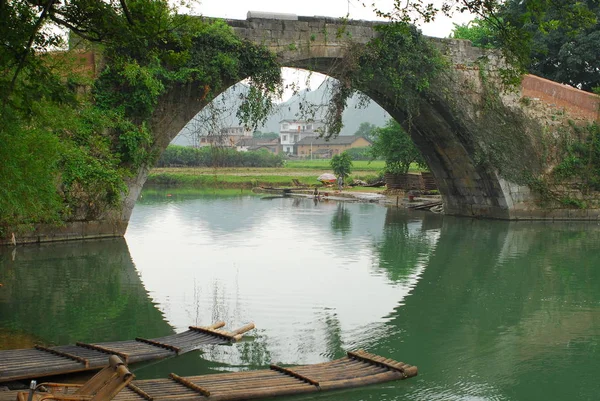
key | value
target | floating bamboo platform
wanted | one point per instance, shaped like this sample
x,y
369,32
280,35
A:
x,y
355,370
47,361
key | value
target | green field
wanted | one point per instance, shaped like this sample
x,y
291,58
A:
x,y
323,164
243,177
187,177
305,172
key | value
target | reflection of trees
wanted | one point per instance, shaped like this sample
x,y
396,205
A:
x,y
341,221
250,353
496,295
404,246
84,291
333,336
255,352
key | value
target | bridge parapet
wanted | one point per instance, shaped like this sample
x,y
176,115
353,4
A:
x,y
298,38
579,103
303,38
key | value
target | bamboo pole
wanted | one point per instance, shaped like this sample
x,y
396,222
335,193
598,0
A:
x,y
237,333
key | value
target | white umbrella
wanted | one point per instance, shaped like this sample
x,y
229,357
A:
x,y
327,177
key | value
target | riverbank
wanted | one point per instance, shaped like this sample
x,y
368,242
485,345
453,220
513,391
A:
x,y
357,194
300,180
246,178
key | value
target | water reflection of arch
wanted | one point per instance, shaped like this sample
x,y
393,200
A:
x,y
500,300
310,291
67,292
221,213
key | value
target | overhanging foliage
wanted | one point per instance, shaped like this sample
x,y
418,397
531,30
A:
x,y
67,151
399,62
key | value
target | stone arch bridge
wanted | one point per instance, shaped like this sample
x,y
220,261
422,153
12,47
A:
x,y
445,130
448,131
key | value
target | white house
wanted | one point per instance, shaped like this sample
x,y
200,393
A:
x,y
293,131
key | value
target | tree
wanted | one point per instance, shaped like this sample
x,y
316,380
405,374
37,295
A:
x,y
561,44
362,153
567,52
478,31
365,130
396,147
341,165
265,135
515,22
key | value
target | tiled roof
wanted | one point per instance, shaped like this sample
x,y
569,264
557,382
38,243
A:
x,y
257,142
268,147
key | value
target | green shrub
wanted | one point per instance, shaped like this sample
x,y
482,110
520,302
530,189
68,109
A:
x,y
581,158
363,153
183,156
341,165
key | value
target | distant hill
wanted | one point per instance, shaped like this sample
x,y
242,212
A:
x,y
227,103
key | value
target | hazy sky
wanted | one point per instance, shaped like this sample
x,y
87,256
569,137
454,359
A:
x,y
238,9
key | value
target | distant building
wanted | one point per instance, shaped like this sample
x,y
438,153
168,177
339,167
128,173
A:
x,y
249,144
293,131
323,148
227,137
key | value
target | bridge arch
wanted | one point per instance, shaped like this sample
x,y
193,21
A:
x,y
446,140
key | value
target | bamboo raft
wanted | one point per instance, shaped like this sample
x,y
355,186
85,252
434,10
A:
x,y
355,370
47,361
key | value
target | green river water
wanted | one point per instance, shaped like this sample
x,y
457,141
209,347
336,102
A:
x,y
487,310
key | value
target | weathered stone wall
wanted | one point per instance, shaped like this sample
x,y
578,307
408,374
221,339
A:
x,y
309,42
72,230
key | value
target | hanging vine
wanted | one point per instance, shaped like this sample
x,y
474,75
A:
x,y
400,63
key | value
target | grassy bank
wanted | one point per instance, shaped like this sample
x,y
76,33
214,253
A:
x,y
186,178
243,177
